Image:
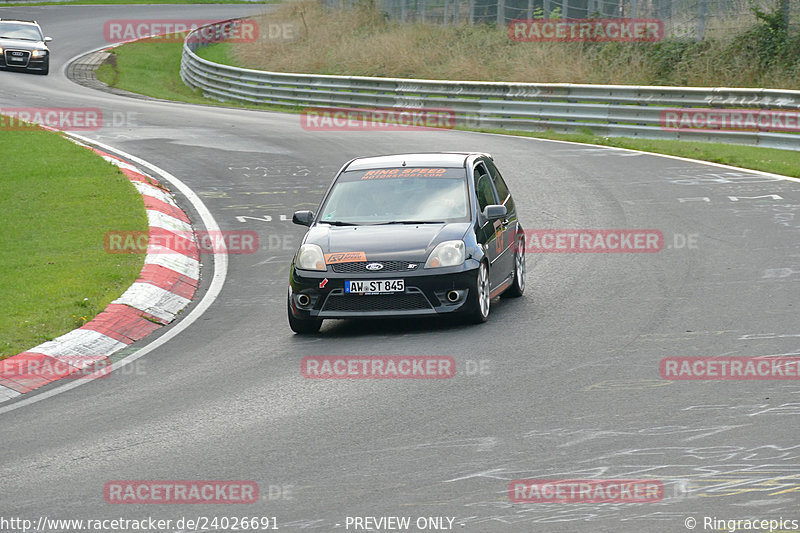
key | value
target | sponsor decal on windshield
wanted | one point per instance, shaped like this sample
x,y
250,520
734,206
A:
x,y
421,172
345,257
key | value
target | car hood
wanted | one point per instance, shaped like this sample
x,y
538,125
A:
x,y
22,45
395,242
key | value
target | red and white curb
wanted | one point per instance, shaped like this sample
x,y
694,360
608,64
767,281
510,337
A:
x,y
165,286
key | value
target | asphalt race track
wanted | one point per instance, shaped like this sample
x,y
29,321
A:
x,y
561,384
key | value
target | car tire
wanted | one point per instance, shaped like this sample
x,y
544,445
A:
x,y
300,325
517,288
481,296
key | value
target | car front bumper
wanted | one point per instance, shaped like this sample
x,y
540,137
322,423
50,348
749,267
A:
x,y
426,293
27,62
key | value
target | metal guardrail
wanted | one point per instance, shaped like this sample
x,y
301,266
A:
x,y
607,110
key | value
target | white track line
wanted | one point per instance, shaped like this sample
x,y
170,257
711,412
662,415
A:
x,y
217,281
668,156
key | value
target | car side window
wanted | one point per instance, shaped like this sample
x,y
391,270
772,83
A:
x,y
483,187
499,184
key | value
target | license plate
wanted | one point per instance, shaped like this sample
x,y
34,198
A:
x,y
17,58
375,286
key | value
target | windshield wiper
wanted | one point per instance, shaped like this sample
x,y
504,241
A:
x,y
410,222
338,223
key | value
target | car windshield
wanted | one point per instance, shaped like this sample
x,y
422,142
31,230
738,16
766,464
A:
x,y
26,32
398,195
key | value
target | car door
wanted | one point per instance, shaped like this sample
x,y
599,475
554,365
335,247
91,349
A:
x,y
510,224
489,232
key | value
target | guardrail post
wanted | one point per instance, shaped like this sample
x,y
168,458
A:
x,y
702,12
786,13
472,12
501,13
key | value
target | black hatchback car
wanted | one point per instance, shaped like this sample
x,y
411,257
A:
x,y
408,234
23,46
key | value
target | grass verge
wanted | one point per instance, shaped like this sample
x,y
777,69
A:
x,y
134,71
774,160
747,50
58,200
131,68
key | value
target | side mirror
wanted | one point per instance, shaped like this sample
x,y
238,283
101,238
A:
x,y
48,39
304,218
495,212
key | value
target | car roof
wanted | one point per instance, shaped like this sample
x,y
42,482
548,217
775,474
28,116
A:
x,y
31,22
422,159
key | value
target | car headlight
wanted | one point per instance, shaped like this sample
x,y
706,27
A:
x,y
1,49
310,257
446,254
39,53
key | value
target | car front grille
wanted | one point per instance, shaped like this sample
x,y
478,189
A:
x,y
411,300
17,58
388,266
